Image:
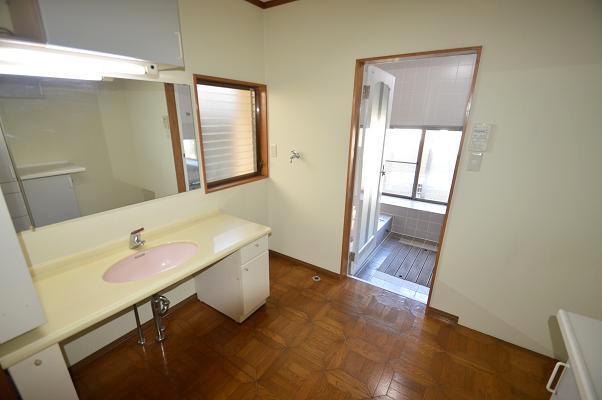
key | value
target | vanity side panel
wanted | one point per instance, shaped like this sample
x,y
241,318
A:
x,y
20,307
44,376
219,286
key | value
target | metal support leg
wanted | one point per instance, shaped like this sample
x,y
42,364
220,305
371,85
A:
x,y
141,339
157,305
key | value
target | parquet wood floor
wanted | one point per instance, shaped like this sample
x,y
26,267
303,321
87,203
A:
x,y
333,339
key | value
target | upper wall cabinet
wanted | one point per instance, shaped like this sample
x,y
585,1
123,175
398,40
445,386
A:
x,y
144,29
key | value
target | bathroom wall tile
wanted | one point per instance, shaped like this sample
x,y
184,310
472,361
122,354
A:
x,y
414,222
438,218
388,209
423,234
422,225
432,236
434,227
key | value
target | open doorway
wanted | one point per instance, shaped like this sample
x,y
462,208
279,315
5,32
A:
x,y
409,117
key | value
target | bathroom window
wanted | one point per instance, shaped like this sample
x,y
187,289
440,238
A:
x,y
233,130
419,163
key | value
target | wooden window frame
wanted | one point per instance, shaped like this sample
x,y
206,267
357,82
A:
x,y
261,131
176,142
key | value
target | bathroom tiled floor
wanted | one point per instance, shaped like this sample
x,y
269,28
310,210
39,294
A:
x,y
393,266
333,339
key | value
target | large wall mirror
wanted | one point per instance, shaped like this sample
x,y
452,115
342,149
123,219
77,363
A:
x,y
74,148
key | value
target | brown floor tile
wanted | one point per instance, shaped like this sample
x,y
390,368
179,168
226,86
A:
x,y
333,339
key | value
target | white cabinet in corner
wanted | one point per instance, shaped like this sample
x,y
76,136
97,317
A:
x,y
144,29
44,376
239,284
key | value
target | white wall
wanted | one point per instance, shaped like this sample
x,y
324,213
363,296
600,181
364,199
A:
x,y
147,107
431,91
524,235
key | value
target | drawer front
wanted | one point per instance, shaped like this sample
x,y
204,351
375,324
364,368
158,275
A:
x,y
253,249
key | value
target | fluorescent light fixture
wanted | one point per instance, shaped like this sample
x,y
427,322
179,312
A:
x,y
33,59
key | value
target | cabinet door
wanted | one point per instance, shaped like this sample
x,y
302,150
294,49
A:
x,y
145,29
219,286
255,283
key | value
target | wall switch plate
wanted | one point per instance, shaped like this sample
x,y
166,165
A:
x,y
474,161
274,151
479,140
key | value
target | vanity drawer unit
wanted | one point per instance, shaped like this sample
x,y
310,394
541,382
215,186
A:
x,y
240,283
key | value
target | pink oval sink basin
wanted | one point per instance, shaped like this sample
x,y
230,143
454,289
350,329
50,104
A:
x,y
150,262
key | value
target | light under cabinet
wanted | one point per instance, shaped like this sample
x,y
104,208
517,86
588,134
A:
x,y
34,59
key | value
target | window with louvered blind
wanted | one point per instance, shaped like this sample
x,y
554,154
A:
x,y
232,119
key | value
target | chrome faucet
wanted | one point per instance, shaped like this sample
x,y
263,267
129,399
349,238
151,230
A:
x,y
295,155
136,239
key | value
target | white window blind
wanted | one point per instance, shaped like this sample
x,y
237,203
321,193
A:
x,y
228,131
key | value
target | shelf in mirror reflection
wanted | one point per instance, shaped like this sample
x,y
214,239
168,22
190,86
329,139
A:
x,y
43,170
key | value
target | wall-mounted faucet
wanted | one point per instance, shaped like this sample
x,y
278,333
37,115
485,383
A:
x,y
136,238
295,155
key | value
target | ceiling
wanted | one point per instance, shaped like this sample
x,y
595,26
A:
x,y
269,3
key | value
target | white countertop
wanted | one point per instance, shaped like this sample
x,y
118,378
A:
x,y
583,340
75,296
34,171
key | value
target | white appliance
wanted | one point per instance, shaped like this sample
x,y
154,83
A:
x,y
581,377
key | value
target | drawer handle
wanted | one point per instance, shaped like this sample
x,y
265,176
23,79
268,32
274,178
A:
x,y
554,372
37,362
256,244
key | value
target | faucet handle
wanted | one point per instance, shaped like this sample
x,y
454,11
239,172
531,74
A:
x,y
136,231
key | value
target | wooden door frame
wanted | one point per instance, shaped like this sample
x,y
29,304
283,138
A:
x,y
357,94
176,140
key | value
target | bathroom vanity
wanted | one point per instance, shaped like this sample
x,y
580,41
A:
x,y
231,274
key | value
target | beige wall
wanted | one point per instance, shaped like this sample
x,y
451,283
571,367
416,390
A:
x,y
524,233
222,38
136,135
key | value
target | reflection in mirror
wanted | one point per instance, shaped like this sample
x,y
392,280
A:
x,y
75,148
